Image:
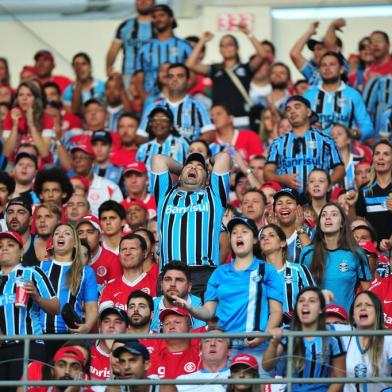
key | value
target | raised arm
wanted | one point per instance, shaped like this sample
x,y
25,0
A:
x,y
221,163
296,51
330,36
193,60
111,55
162,163
260,51
205,312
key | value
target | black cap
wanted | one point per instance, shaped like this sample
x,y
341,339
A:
x,y
165,8
243,220
24,154
196,156
132,347
114,310
101,136
299,98
20,201
93,100
287,192
313,42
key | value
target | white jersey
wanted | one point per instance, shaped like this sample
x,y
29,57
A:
x,y
204,375
358,364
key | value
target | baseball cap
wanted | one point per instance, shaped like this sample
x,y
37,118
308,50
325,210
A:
x,y
136,202
83,147
165,8
72,352
93,220
287,192
336,310
271,184
101,136
368,247
20,201
132,347
245,359
299,98
13,236
244,221
29,68
138,167
113,310
313,42
196,156
174,310
44,53
24,154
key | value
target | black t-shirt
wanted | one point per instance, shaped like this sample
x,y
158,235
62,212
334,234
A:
x,y
29,257
371,204
224,90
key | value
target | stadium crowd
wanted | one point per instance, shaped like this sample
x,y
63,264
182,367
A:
x,y
179,196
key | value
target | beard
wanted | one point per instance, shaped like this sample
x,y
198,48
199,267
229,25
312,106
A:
x,y
140,322
279,86
332,80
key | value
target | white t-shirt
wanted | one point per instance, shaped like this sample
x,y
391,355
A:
x,y
204,375
358,364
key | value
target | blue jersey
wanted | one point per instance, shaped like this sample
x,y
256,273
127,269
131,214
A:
x,y
87,292
378,98
155,53
133,35
111,172
22,320
113,115
300,155
295,277
243,296
318,360
386,124
174,147
294,246
156,325
344,106
343,271
191,118
97,91
189,223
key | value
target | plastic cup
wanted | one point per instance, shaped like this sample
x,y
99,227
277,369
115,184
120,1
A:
x,y
21,297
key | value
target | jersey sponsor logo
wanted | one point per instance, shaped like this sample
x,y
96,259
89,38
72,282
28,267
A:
x,y
386,301
99,373
183,210
101,271
360,370
7,299
333,118
343,266
190,367
387,319
289,163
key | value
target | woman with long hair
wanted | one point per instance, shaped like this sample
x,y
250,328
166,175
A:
x,y
365,57
246,294
295,276
231,68
319,186
27,122
312,356
75,285
334,259
368,356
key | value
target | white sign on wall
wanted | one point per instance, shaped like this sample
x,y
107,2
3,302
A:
x,y
229,22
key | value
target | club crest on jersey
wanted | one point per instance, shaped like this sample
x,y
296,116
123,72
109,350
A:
x,y
258,278
343,266
101,271
174,51
190,367
342,102
312,144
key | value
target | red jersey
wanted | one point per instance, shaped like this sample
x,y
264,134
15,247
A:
x,y
116,292
62,81
100,364
106,265
154,272
168,365
70,121
374,70
122,157
382,287
85,138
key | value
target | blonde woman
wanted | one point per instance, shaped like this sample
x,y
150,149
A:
x,y
74,283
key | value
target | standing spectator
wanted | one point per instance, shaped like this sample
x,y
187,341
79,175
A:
x,y
85,86
44,64
74,284
253,206
7,187
21,320
362,173
77,207
319,187
257,163
334,259
132,254
28,122
191,210
230,78
191,117
296,153
336,103
130,36
159,50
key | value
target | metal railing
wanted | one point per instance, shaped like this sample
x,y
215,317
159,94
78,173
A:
x,y
289,380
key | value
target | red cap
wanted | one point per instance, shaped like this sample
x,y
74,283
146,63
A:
x,y
85,148
174,310
83,180
138,167
363,163
44,53
93,220
13,236
336,310
135,202
245,359
368,247
29,68
72,352
271,184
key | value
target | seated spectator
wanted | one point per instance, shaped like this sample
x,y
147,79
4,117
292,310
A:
x,y
253,205
28,122
150,263
132,254
335,314
243,366
85,86
175,279
214,354
7,188
77,207
136,215
319,189
111,216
